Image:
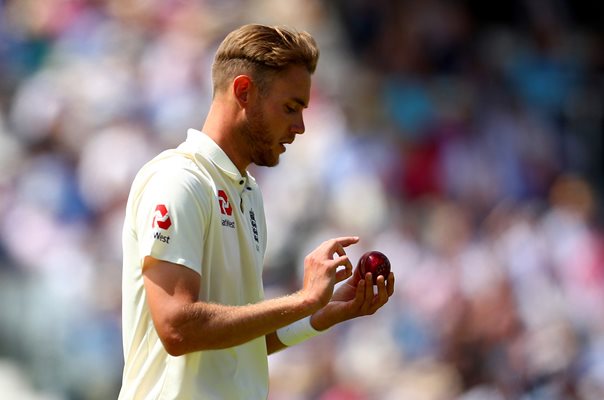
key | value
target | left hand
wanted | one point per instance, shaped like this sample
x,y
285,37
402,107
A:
x,y
354,298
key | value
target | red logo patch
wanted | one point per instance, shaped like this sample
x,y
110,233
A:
x,y
161,219
223,201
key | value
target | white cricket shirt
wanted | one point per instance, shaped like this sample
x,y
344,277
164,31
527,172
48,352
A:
x,y
191,206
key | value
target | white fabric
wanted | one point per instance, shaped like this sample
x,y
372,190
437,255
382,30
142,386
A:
x,y
192,207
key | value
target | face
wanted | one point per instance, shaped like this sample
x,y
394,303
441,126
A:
x,y
275,118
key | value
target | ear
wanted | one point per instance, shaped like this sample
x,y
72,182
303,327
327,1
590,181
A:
x,y
242,87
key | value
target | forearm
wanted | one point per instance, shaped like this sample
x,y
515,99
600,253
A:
x,y
203,326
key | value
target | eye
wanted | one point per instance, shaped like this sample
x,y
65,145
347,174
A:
x,y
290,109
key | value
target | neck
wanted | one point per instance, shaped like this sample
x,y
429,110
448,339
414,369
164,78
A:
x,y
220,125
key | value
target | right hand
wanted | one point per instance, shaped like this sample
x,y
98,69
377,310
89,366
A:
x,y
321,271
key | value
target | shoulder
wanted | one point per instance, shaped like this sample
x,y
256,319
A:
x,y
171,175
174,167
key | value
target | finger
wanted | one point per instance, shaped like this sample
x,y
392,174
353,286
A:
x,y
359,298
382,291
344,261
338,244
376,300
369,299
342,274
368,289
346,241
332,247
390,282
339,249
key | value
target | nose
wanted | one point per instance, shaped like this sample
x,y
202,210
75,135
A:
x,y
298,127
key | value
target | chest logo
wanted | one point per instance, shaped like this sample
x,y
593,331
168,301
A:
x,y
225,205
161,219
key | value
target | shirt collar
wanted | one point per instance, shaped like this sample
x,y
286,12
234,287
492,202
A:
x,y
204,146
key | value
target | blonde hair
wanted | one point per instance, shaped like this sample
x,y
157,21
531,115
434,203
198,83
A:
x,y
262,52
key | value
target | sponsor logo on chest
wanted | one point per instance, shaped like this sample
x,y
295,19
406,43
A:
x,y
226,209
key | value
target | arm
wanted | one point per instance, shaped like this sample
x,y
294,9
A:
x,y
185,324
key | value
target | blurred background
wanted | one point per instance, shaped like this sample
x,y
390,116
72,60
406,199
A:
x,y
464,139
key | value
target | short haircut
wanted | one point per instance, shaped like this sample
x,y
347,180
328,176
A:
x,y
262,52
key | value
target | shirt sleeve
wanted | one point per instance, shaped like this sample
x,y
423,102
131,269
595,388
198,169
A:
x,y
171,218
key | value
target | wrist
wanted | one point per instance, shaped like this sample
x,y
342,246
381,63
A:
x,y
319,322
297,332
309,305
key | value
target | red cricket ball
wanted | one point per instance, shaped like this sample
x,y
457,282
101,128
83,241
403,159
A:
x,y
375,262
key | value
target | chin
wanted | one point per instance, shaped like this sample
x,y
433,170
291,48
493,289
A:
x,y
267,162
273,163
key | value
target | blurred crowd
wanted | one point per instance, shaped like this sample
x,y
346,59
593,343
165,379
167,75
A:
x,y
464,140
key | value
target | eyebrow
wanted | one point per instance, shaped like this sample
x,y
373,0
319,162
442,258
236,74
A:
x,y
300,102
